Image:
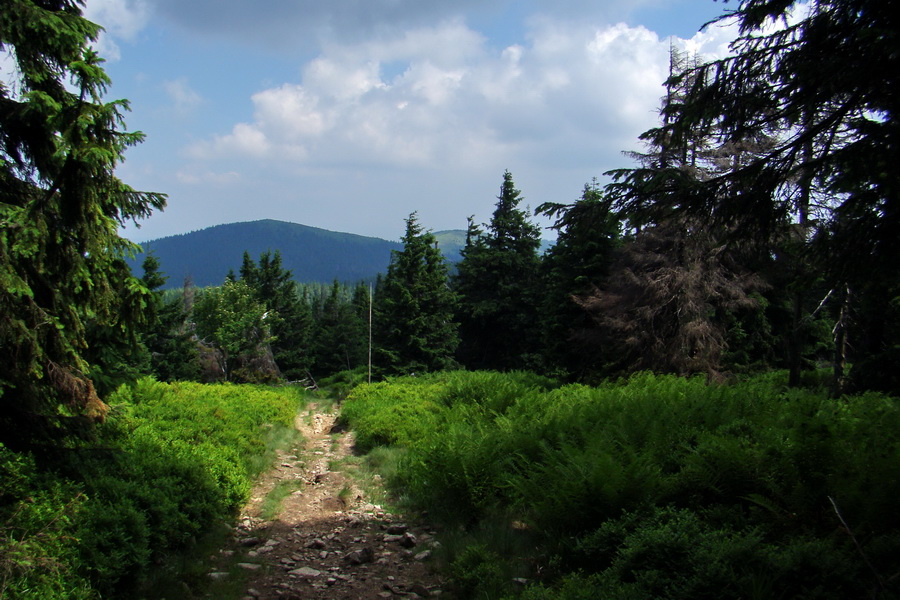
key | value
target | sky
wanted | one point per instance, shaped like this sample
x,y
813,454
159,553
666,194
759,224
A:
x,y
351,114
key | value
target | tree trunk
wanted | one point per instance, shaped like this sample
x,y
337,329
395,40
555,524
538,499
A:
x,y
840,345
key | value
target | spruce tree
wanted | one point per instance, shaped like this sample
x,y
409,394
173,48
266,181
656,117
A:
x,y
820,79
589,231
290,318
340,338
497,283
414,315
61,210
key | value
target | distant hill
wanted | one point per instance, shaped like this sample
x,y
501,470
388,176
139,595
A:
x,y
451,243
314,255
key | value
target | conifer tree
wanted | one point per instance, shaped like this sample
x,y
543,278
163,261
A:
x,y
290,319
61,209
662,307
414,315
173,354
340,334
589,231
821,80
497,282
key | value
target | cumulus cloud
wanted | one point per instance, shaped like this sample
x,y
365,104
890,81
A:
x,y
455,101
120,19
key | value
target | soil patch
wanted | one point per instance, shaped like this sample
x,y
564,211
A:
x,y
328,540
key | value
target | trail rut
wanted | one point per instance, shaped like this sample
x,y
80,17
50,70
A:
x,y
329,541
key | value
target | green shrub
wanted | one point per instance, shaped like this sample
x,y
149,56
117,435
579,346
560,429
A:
x,y
752,473
36,533
477,573
171,460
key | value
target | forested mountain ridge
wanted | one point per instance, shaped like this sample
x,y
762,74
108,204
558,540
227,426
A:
x,y
312,254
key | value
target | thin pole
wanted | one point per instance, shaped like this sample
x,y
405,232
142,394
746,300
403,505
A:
x,y
370,333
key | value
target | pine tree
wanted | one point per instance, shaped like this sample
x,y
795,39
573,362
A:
x,y
340,337
497,282
824,86
414,315
61,209
588,234
173,353
290,319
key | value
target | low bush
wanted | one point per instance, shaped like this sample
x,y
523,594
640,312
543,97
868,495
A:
x,y
171,460
658,486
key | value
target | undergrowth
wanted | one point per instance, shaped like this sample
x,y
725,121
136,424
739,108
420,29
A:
x,y
654,487
172,460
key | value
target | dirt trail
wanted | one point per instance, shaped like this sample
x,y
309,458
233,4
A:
x,y
328,541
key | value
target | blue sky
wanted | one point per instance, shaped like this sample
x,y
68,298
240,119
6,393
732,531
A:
x,y
350,114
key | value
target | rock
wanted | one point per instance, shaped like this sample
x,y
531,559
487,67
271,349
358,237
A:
x,y
218,575
361,556
249,542
398,529
250,566
392,539
316,544
305,572
419,590
408,540
424,555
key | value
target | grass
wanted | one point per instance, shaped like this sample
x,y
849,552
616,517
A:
x,y
271,505
370,472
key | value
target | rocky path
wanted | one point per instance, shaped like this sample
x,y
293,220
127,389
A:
x,y
328,540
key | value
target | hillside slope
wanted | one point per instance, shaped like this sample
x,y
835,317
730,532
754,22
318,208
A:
x,y
314,255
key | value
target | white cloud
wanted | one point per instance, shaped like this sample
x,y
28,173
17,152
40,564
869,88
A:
x,y
455,101
184,98
121,19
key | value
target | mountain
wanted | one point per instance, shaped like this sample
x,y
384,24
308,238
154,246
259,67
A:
x,y
451,243
314,255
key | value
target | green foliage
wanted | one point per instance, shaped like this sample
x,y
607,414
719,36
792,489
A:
x,y
588,232
165,335
289,317
387,414
654,487
414,308
171,460
234,322
477,573
340,384
497,283
36,516
340,335
61,208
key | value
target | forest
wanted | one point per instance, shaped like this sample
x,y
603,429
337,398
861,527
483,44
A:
x,y
691,394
